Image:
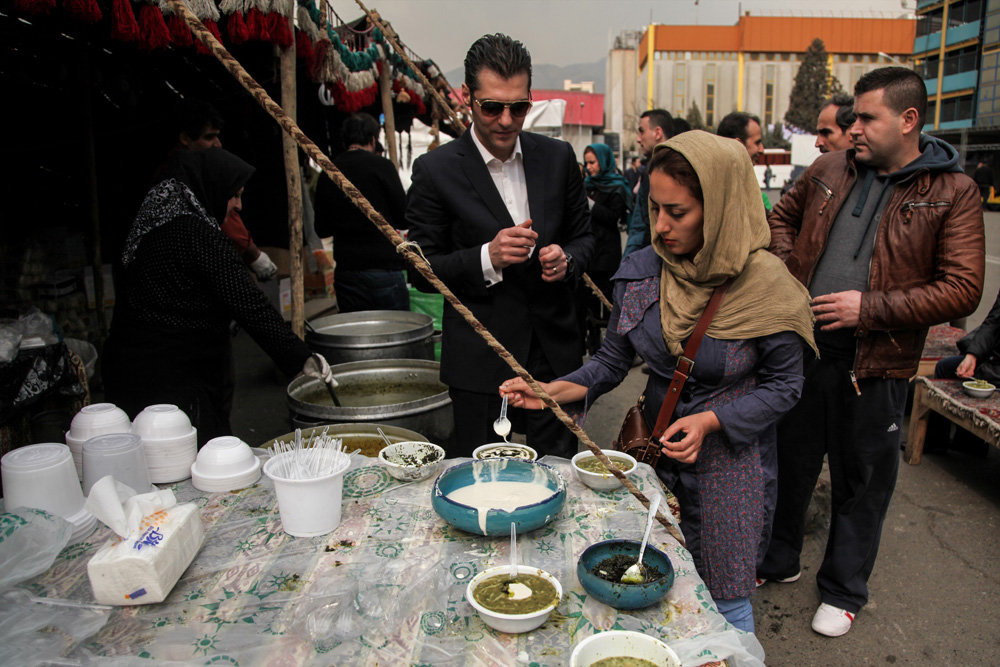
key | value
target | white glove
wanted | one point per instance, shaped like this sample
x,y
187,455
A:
x,y
264,267
316,366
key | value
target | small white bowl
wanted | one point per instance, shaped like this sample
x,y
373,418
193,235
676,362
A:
x,y
400,459
98,419
621,643
976,392
161,422
225,463
504,450
512,623
601,481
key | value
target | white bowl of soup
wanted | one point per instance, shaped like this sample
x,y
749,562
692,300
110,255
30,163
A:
x,y
514,606
591,471
620,648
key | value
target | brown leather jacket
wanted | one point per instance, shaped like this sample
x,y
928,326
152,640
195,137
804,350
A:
x,y
926,268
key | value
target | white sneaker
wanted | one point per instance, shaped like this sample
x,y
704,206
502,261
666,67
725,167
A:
x,y
832,621
786,580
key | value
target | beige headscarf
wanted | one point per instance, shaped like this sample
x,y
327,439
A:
x,y
764,298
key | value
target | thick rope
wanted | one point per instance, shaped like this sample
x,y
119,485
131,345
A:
x,y
390,37
415,259
597,291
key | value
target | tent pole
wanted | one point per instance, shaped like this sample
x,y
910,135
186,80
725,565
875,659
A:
x,y
294,186
385,89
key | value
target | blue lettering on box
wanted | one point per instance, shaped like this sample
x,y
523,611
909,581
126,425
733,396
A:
x,y
150,538
136,594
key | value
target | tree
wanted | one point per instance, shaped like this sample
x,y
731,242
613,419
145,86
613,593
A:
x,y
775,138
814,84
693,117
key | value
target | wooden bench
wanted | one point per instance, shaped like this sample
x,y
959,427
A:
x,y
979,416
942,341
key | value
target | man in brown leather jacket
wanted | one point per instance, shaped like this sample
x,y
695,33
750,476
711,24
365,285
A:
x,y
888,237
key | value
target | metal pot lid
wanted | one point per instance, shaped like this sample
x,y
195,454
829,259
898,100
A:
x,y
370,328
385,377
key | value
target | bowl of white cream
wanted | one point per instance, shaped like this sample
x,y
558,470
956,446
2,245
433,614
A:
x,y
485,497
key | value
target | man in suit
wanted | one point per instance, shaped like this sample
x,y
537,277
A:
x,y
502,218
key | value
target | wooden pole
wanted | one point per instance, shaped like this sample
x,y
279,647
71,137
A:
x,y
293,183
385,89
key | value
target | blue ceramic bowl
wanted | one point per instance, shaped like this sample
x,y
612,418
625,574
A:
x,y
497,521
619,595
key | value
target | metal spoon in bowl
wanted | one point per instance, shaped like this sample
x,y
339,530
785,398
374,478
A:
x,y
502,425
634,574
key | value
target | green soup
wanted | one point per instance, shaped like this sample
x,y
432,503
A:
x,y
593,464
494,594
623,662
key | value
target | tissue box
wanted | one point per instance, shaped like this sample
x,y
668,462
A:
x,y
143,570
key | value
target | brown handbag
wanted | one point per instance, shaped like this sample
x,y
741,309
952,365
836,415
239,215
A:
x,y
635,438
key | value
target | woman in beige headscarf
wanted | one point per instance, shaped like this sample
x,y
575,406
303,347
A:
x,y
708,225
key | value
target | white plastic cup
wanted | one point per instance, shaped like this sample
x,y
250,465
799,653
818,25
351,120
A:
x,y
308,507
42,476
162,421
120,455
98,419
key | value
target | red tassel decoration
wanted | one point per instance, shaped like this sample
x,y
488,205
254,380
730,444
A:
x,y
155,34
180,34
123,25
320,49
238,29
304,49
85,11
281,32
34,6
212,28
257,27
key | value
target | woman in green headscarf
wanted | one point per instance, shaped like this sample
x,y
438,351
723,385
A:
x,y
610,203
719,453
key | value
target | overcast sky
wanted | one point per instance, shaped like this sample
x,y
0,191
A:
x,y
565,32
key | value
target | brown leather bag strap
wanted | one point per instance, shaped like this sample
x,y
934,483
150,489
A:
x,y
685,362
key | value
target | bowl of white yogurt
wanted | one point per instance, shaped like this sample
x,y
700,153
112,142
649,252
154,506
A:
x,y
485,497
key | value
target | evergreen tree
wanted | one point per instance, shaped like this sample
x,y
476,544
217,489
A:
x,y
813,85
693,117
774,138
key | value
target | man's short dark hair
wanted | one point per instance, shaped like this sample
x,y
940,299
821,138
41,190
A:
x,y
660,118
845,110
734,125
193,117
903,89
681,125
359,128
498,53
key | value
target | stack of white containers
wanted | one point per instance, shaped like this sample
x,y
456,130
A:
x,y
169,440
94,420
225,463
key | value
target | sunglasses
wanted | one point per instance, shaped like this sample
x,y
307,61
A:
x,y
493,108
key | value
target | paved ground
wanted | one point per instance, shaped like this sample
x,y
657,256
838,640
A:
x,y
935,588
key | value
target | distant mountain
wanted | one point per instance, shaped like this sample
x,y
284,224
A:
x,y
550,77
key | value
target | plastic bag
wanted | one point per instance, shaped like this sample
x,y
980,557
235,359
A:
x,y
30,540
10,343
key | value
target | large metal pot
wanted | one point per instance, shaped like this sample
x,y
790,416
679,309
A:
x,y
372,334
355,436
400,392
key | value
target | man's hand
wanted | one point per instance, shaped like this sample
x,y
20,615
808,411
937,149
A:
x,y
554,263
838,310
512,245
967,367
695,427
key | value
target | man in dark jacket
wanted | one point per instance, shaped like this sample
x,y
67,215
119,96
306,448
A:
x,y
369,273
655,126
888,237
502,218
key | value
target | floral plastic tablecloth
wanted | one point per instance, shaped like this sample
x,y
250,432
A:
x,y
387,587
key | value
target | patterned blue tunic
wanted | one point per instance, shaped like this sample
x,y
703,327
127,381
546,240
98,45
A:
x,y
727,496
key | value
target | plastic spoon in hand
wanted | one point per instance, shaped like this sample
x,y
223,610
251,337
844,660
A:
x,y
502,425
634,574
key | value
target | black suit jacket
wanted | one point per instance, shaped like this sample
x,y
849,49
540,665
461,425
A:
x,y
454,208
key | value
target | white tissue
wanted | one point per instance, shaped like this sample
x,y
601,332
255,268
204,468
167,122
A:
x,y
157,541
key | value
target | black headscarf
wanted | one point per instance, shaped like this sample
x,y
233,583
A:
x,y
192,183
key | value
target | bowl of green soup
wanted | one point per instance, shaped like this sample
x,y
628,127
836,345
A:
x,y
619,648
591,471
514,606
978,388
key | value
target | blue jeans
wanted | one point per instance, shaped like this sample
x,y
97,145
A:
x,y
371,289
737,612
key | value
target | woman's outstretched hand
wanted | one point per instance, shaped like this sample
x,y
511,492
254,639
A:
x,y
520,395
694,427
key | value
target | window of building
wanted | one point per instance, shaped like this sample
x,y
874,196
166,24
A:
x,y
963,12
754,56
991,29
961,60
928,69
988,111
956,108
930,23
710,95
842,57
680,89
768,95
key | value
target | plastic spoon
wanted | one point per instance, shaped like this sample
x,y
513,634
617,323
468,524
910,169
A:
x,y
385,438
634,574
515,590
502,425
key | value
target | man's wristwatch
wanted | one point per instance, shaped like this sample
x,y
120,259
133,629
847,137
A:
x,y
569,263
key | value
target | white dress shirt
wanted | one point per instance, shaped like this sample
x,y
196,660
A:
x,y
508,176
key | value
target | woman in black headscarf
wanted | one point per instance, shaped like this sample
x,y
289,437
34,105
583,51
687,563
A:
x,y
183,283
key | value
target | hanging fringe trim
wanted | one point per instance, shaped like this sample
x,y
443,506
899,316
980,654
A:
x,y
35,7
152,28
213,28
304,50
180,34
238,30
123,25
85,11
